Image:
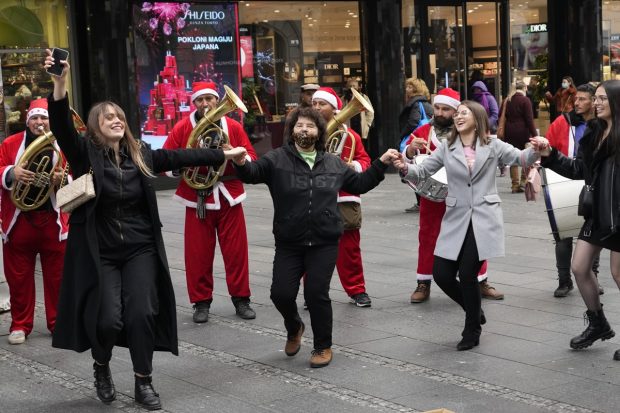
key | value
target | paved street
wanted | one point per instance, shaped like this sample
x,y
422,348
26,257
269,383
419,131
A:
x,y
393,357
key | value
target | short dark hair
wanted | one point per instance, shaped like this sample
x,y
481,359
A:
x,y
588,88
309,113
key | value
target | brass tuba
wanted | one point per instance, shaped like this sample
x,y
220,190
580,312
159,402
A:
x,y
38,157
337,138
207,134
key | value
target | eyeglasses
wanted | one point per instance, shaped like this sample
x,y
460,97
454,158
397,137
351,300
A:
x,y
601,98
462,113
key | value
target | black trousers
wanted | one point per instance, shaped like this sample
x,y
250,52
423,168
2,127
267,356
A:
x,y
289,265
466,291
129,303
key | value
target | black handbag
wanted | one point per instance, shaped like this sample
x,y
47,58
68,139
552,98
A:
x,y
586,201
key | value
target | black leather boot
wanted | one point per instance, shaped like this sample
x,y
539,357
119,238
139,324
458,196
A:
x,y
145,393
565,286
598,328
617,355
104,383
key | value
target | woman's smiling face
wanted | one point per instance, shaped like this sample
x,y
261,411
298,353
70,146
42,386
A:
x,y
111,125
464,120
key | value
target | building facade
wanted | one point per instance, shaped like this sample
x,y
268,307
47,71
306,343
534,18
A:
x,y
145,55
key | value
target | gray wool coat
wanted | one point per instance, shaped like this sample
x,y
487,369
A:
x,y
471,197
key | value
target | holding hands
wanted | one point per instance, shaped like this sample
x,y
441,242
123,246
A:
x,y
390,156
541,145
237,155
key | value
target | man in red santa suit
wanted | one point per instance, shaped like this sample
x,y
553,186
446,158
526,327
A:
x,y
431,213
42,230
215,212
349,262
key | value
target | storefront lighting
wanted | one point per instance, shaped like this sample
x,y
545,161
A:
x,y
265,21
354,16
276,11
310,24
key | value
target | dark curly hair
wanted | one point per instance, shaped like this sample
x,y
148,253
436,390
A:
x,y
313,115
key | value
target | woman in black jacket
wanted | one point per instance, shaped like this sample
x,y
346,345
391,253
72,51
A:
x,y
418,97
116,287
304,182
598,163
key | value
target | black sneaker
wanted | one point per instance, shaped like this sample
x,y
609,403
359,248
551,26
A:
x,y
361,300
563,289
244,310
201,311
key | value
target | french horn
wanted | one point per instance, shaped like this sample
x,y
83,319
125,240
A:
x,y
207,134
336,131
38,158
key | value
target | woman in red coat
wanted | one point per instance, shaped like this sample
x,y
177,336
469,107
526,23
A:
x,y
519,128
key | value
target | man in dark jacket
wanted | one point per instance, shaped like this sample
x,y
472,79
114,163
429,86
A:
x,y
304,182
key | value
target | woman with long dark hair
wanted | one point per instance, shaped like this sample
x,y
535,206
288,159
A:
x,y
116,286
598,163
472,229
304,182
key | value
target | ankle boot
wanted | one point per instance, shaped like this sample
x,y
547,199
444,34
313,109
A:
x,y
145,393
564,287
103,383
598,328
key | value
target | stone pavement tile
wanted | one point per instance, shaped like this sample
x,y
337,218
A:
x,y
400,348
591,365
519,350
518,331
599,396
320,403
462,400
207,401
520,316
346,334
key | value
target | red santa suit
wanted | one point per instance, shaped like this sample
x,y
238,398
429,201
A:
x,y
224,219
26,234
431,214
349,261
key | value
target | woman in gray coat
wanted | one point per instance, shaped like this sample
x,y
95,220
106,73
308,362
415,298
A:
x,y
472,227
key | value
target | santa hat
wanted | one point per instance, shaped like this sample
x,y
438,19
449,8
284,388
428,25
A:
x,y
37,107
448,96
328,94
203,88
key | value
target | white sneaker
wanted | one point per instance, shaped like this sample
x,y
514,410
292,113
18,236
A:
x,y
5,306
17,337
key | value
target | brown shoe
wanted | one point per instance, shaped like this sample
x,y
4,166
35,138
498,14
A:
x,y
320,358
421,293
293,343
487,291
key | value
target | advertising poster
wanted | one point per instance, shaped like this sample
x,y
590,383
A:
x,y
528,42
176,45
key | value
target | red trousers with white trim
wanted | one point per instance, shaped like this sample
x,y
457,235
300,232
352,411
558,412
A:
x,y
227,226
349,263
34,232
431,214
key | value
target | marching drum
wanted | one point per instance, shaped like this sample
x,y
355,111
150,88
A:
x,y
434,188
561,200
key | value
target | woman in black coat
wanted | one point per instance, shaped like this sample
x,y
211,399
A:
x,y
116,287
519,129
598,163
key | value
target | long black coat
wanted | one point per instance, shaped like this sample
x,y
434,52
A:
x,y
78,305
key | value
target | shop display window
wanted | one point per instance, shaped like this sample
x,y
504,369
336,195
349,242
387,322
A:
x,y
28,28
611,39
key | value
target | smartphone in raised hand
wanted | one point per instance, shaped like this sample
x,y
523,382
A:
x,y
58,55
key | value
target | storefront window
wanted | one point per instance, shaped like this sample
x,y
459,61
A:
x,y
27,28
611,39
530,53
289,44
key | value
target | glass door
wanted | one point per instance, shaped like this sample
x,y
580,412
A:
x,y
462,45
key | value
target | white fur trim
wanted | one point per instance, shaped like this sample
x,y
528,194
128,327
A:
x,y
331,99
204,92
357,166
424,277
446,100
349,198
35,112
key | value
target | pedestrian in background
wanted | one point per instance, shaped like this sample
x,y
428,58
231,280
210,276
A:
x,y
481,94
564,97
418,111
519,129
